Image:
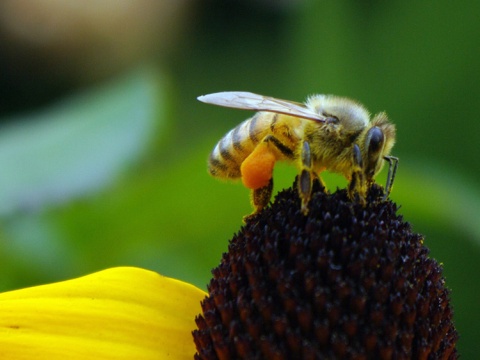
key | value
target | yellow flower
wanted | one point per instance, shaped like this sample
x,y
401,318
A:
x,y
119,313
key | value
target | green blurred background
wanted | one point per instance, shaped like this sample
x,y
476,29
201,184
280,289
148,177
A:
x,y
103,145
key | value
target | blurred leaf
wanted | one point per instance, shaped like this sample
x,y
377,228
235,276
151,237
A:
x,y
79,144
439,196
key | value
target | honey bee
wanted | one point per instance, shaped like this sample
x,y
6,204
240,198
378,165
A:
x,y
325,133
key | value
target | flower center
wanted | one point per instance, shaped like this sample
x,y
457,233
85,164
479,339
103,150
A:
x,y
345,281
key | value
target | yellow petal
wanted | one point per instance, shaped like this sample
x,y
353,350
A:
x,y
119,313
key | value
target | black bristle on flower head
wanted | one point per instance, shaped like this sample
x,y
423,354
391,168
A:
x,y
343,282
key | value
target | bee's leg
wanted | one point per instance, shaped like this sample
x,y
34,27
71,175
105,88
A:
x,y
257,168
316,176
392,170
305,179
260,198
357,188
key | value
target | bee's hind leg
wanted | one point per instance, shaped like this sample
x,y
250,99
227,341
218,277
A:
x,y
358,187
260,198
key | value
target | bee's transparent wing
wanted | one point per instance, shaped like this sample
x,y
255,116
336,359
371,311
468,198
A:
x,y
251,101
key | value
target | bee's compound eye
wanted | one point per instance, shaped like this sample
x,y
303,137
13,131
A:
x,y
375,140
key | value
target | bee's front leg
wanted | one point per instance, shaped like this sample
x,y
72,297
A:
x,y
357,189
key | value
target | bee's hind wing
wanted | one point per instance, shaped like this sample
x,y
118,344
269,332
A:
x,y
250,101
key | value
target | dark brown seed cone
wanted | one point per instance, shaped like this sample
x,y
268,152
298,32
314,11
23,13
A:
x,y
344,282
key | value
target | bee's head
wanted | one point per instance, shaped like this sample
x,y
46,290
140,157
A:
x,y
348,113
379,140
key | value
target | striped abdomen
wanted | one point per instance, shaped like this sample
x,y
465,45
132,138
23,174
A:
x,y
237,144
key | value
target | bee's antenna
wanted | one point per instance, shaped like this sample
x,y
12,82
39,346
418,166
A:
x,y
392,170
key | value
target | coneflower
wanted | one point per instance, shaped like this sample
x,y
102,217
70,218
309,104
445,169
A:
x,y
345,281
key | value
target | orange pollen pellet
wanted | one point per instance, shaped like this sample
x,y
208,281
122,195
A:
x,y
257,168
